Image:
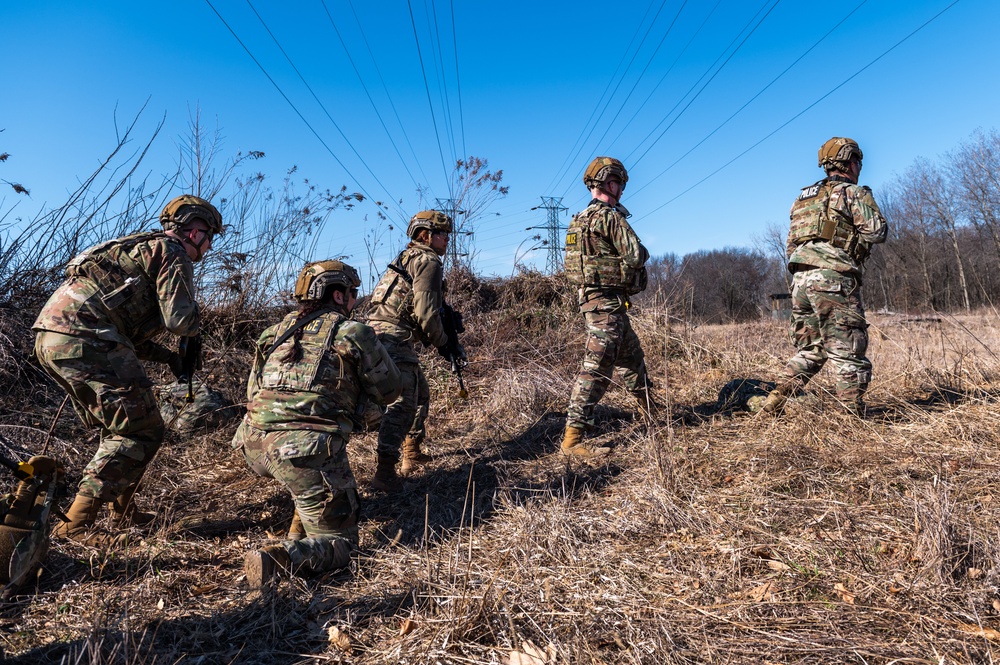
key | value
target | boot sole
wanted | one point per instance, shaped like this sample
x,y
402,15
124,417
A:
x,y
259,568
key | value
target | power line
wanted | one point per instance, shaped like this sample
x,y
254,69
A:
x,y
702,89
438,55
294,108
553,205
458,79
806,109
750,101
423,70
566,162
367,93
385,87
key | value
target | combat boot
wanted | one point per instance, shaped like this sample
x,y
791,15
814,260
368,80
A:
x,y
646,405
125,514
776,398
296,531
412,456
82,515
385,478
573,445
264,565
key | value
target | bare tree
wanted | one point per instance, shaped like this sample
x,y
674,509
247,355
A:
x,y
474,189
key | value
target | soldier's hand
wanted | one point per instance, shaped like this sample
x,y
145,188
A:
x,y
460,353
195,352
176,364
445,352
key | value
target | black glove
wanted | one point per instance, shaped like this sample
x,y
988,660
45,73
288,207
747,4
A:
x,y
176,364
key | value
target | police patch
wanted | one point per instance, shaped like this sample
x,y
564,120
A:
x,y
571,238
313,326
809,192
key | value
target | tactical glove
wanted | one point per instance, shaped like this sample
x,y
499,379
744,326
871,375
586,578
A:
x,y
176,364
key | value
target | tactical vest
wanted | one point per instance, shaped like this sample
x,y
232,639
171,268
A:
x,y
127,292
321,384
392,299
814,218
588,258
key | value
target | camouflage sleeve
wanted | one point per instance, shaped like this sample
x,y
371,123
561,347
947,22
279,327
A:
x,y
378,374
626,242
868,219
263,344
175,290
427,283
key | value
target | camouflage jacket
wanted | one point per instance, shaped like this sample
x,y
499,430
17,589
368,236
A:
x,y
343,364
604,257
858,222
126,290
408,306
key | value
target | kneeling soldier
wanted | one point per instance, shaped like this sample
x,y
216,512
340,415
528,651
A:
x,y
311,378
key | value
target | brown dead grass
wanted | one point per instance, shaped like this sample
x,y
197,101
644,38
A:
x,y
813,538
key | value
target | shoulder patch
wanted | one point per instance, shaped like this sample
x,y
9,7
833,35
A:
x,y
571,238
809,192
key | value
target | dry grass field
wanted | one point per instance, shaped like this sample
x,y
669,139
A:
x,y
711,537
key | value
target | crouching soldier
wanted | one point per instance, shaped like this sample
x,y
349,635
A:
x,y
91,335
311,377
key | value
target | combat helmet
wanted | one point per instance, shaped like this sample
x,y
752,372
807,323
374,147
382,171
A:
x,y
317,277
837,153
601,169
186,208
432,220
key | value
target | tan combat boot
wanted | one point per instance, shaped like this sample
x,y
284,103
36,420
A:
x,y
263,565
573,445
412,456
776,398
385,478
296,531
82,515
125,514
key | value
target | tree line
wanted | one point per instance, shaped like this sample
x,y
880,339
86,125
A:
x,y
943,252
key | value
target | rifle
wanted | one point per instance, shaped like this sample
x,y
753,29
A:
x,y
451,351
189,349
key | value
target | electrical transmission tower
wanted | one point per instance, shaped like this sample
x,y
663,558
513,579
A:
x,y
553,204
450,208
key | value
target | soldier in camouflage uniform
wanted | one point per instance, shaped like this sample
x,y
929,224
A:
x,y
312,376
605,260
834,224
92,333
406,308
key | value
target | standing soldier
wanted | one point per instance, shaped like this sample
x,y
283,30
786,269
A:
x,y
311,377
834,224
406,308
96,327
605,260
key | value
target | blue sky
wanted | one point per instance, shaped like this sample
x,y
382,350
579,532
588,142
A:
x,y
530,76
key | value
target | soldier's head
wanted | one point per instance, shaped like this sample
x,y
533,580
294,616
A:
x,y
328,283
606,178
841,155
194,221
430,227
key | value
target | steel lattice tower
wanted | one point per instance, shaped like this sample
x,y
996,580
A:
x,y
553,204
450,208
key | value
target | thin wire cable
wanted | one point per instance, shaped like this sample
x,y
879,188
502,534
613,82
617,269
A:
x,y
667,73
566,161
611,123
292,105
803,111
458,79
367,93
434,29
751,100
423,70
385,88
323,106
702,89
613,92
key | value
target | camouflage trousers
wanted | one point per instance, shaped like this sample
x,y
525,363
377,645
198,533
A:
x,y
315,469
611,343
400,416
828,322
418,430
109,389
